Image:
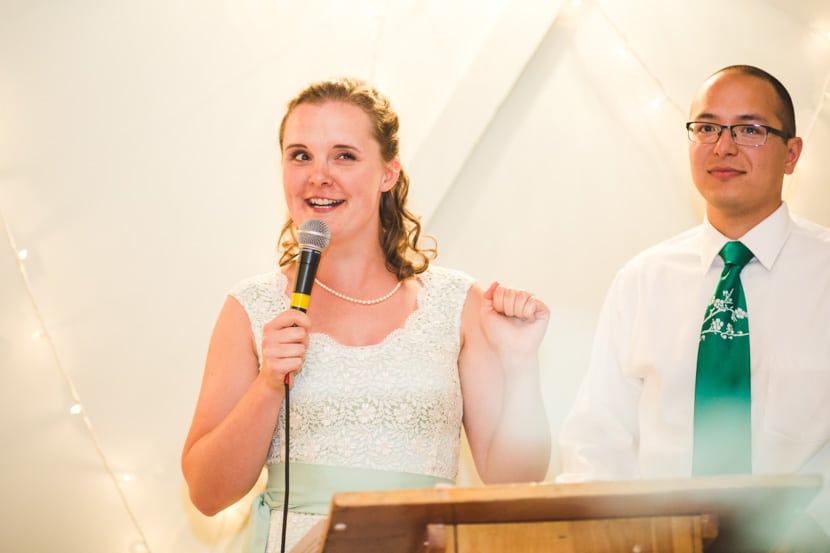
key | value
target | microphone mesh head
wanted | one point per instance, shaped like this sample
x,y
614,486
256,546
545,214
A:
x,y
314,234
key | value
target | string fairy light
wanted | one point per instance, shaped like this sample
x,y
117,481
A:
x,y
823,99
627,47
381,15
77,407
628,50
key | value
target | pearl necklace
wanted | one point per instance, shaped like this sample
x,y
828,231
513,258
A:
x,y
355,300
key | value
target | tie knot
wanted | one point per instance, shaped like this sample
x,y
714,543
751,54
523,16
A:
x,y
735,253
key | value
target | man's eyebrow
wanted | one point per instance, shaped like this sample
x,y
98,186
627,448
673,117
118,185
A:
x,y
753,117
743,117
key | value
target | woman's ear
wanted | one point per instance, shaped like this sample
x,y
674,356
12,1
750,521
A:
x,y
390,176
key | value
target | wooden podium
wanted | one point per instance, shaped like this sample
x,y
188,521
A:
x,y
743,514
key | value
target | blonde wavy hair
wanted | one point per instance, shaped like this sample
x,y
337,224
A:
x,y
400,229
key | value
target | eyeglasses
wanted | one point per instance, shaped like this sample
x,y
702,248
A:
x,y
752,134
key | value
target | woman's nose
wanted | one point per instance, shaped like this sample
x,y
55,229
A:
x,y
320,174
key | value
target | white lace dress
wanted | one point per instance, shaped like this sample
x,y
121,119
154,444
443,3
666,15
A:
x,y
391,406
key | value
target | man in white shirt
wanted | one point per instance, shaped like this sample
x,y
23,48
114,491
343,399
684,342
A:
x,y
634,415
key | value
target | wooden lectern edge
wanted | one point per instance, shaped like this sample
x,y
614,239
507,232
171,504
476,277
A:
x,y
546,490
545,501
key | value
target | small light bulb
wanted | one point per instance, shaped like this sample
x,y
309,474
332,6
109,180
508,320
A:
x,y
656,103
76,409
126,477
37,334
372,9
139,547
23,254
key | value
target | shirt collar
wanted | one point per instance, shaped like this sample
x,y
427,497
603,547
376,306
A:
x,y
764,240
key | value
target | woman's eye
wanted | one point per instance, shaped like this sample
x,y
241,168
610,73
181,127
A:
x,y
346,155
299,155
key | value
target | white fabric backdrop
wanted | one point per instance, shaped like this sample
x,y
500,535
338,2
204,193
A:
x,y
139,180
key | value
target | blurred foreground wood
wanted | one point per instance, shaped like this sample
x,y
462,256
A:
x,y
740,514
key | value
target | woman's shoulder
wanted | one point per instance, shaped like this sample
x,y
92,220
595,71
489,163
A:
x,y
259,286
262,296
441,277
447,287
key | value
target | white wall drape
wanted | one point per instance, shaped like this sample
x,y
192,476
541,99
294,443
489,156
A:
x,y
139,180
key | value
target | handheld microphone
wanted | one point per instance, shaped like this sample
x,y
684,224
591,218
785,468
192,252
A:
x,y
313,237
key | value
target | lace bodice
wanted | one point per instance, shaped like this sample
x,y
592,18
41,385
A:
x,y
395,405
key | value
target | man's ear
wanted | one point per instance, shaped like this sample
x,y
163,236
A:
x,y
794,147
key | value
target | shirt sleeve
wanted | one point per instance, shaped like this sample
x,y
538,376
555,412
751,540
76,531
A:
x,y
599,437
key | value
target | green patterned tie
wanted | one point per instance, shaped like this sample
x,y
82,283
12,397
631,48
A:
x,y
723,422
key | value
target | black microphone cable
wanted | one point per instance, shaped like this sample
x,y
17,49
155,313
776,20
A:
x,y
312,237
285,499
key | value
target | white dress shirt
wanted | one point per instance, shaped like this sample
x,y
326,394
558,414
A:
x,y
633,416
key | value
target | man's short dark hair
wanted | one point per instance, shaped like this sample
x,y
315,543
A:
x,y
787,113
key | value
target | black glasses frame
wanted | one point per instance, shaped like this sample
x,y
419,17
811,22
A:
x,y
769,130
